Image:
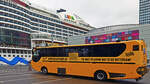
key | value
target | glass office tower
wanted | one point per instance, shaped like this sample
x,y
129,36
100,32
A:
x,y
144,12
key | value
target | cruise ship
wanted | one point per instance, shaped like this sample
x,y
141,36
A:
x,y
22,23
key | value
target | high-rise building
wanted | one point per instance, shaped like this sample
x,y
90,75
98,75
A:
x,y
144,12
20,18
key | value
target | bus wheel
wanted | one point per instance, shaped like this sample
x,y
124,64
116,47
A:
x,y
100,75
44,70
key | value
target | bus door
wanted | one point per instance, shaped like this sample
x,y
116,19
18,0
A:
x,y
36,55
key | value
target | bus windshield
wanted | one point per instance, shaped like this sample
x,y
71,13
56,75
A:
x,y
36,53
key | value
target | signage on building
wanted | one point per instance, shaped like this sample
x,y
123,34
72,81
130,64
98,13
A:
x,y
69,17
113,37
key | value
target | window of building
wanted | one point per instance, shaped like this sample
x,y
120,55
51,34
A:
x,y
4,50
13,51
9,51
9,55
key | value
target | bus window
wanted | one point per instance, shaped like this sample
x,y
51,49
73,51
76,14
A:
x,y
36,56
141,47
51,52
73,50
62,52
108,50
42,52
135,47
36,53
85,51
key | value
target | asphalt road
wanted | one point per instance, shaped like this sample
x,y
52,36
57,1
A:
x,y
22,75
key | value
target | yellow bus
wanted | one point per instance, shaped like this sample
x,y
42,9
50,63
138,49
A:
x,y
115,60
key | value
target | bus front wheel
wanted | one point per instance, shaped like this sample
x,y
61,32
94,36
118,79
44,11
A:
x,y
100,75
44,70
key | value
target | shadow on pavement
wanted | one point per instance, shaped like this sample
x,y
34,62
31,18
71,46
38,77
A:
x,y
92,79
122,82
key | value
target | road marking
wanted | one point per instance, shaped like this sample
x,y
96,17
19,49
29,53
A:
x,y
17,80
1,81
49,81
10,74
14,76
22,79
13,73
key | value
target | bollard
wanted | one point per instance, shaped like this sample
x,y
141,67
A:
x,y
30,69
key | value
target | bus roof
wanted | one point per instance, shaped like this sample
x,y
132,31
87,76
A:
x,y
89,44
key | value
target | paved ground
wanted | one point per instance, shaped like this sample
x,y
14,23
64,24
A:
x,y
22,75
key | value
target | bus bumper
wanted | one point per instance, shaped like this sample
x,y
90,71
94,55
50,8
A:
x,y
140,78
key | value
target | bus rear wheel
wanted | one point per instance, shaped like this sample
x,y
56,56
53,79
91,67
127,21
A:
x,y
100,75
44,70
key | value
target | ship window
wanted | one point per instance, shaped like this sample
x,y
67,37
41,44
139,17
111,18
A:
x,y
25,52
17,51
29,52
9,55
4,51
9,51
21,51
13,51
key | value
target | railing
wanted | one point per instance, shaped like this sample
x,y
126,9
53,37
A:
x,y
12,46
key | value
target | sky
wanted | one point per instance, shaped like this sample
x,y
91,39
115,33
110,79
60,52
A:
x,y
97,13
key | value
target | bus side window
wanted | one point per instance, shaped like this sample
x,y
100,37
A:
x,y
135,47
73,50
42,52
85,51
141,47
66,51
61,52
53,52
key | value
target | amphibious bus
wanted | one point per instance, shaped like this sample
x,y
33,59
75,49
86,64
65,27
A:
x,y
114,60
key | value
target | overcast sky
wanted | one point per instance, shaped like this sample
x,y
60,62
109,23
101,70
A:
x,y
98,13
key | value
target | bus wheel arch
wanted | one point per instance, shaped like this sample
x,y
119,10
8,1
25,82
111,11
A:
x,y
100,75
44,70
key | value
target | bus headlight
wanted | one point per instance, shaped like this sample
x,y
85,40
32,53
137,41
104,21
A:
x,y
142,70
